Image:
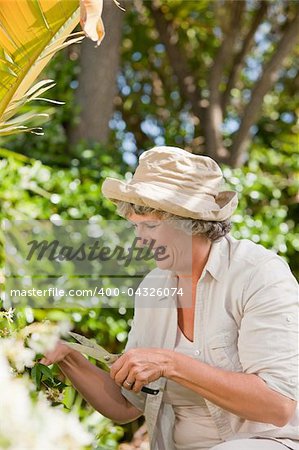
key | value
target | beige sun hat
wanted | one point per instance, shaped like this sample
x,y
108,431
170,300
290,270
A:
x,y
173,180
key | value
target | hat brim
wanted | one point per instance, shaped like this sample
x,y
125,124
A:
x,y
175,201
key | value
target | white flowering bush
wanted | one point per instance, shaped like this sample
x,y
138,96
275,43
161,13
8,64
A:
x,y
28,419
28,423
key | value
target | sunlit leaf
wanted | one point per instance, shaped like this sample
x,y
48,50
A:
x,y
31,31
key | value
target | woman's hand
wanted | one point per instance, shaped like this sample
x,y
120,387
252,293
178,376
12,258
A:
x,y
139,366
60,352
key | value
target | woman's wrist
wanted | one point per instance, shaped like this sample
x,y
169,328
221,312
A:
x,y
176,364
168,363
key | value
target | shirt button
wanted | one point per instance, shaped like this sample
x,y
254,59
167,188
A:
x,y
197,352
289,319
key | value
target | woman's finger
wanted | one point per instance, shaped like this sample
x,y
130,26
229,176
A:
x,y
45,361
121,375
137,386
128,384
117,366
119,370
141,379
58,354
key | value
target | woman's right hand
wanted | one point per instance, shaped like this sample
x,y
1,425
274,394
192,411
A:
x,y
59,353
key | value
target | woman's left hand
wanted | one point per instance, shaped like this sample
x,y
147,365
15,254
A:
x,y
139,366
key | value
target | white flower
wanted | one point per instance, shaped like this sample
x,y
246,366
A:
x,y
8,315
44,336
42,342
64,327
16,353
5,369
26,422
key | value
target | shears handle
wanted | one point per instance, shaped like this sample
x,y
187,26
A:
x,y
148,390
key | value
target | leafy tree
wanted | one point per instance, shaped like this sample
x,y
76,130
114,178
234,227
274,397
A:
x,y
202,71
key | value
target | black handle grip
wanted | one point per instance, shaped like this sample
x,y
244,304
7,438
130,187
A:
x,y
148,390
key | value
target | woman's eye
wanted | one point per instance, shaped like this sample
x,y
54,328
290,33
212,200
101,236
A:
x,y
146,225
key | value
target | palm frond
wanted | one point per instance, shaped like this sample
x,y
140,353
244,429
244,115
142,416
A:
x,y
31,31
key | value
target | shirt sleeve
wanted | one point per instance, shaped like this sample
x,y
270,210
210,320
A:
x,y
268,336
138,400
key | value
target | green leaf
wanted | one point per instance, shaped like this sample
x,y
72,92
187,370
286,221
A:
x,y
69,396
4,153
30,34
46,372
36,375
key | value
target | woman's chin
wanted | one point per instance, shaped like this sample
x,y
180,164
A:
x,y
164,265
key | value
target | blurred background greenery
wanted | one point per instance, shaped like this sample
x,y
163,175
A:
x,y
219,78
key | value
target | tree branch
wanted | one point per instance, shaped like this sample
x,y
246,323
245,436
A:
x,y
180,65
238,60
225,51
269,75
214,116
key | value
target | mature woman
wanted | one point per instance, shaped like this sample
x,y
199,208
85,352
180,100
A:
x,y
223,353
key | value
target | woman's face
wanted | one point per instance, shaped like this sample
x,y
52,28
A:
x,y
177,244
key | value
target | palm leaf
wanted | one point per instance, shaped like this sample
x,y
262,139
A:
x,y
31,31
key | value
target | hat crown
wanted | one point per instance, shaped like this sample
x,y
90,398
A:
x,y
173,180
180,169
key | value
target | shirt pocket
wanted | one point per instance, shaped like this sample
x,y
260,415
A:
x,y
223,349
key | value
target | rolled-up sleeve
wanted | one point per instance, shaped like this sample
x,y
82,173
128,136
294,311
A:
x,y
138,400
268,336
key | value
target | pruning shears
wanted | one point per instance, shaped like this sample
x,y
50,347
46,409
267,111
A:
x,y
97,352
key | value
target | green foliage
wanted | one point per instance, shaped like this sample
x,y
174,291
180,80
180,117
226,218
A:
x,y
267,187
152,102
32,190
40,373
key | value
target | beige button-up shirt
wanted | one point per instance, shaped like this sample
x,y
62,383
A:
x,y
246,320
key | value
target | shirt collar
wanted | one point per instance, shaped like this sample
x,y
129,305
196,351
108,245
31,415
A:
x,y
160,282
218,261
217,265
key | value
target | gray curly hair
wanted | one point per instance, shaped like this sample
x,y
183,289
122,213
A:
x,y
214,231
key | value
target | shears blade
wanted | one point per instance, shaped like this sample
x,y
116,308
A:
x,y
97,352
92,349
